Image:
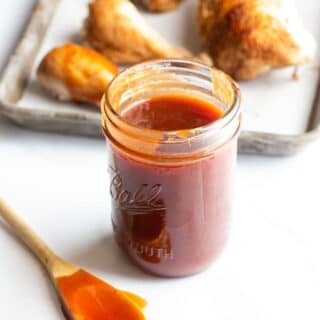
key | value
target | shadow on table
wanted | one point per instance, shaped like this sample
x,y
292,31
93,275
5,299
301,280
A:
x,y
104,255
100,256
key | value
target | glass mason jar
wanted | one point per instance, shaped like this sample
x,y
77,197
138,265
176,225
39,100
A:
x,y
171,191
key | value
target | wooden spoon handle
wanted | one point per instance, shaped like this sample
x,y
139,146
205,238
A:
x,y
28,236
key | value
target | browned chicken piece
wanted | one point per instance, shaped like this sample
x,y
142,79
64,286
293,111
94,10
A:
x,y
73,72
161,5
117,29
246,38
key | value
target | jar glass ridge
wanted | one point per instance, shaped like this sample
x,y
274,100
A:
x,y
147,80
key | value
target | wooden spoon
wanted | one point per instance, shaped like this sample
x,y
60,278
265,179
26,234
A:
x,y
83,296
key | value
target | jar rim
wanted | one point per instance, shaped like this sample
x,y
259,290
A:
x,y
228,116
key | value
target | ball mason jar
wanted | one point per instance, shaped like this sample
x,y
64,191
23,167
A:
x,y
171,191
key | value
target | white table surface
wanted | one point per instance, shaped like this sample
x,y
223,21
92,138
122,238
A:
x,y
270,270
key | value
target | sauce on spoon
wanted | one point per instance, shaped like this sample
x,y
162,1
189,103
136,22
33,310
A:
x,y
89,298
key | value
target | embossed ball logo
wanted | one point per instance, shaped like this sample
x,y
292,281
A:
x,y
145,199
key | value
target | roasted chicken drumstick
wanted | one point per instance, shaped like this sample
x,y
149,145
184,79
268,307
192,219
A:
x,y
246,38
72,72
161,5
117,30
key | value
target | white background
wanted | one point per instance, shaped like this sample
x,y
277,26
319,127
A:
x,y
270,270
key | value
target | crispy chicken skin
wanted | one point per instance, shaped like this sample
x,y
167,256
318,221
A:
x,y
73,72
247,38
161,5
117,29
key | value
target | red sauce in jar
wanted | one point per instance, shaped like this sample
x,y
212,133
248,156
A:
x,y
169,113
172,220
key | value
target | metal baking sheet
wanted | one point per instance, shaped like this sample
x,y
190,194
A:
x,y
281,115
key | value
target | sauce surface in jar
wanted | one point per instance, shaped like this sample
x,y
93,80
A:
x,y
172,112
172,220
